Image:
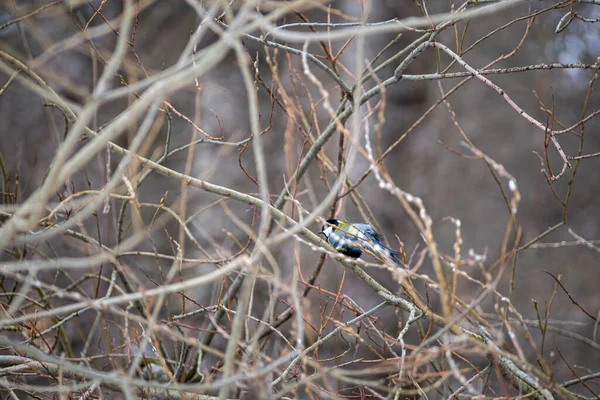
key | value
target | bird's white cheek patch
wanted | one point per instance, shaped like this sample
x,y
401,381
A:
x,y
328,231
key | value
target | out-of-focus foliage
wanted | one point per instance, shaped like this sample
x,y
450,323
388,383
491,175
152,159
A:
x,y
165,166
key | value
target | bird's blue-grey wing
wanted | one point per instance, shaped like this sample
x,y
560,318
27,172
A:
x,y
369,232
375,242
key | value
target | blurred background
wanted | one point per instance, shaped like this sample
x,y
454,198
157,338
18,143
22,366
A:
x,y
429,163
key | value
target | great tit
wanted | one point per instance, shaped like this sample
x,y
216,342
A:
x,y
353,239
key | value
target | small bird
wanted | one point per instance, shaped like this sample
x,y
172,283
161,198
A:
x,y
352,239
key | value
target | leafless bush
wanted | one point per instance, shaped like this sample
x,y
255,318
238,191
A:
x,y
162,190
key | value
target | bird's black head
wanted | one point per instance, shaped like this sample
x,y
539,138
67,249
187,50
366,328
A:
x,y
333,221
329,223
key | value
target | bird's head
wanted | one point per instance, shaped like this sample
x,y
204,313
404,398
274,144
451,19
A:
x,y
329,227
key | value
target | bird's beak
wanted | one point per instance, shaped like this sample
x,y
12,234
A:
x,y
321,232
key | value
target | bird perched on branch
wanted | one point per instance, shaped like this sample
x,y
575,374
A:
x,y
352,239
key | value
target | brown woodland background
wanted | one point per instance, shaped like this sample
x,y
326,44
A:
x,y
526,284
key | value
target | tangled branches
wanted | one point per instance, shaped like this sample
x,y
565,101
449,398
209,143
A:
x,y
154,256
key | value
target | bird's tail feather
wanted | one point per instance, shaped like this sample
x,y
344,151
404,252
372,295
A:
x,y
396,256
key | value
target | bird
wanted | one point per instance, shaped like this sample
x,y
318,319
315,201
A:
x,y
352,239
